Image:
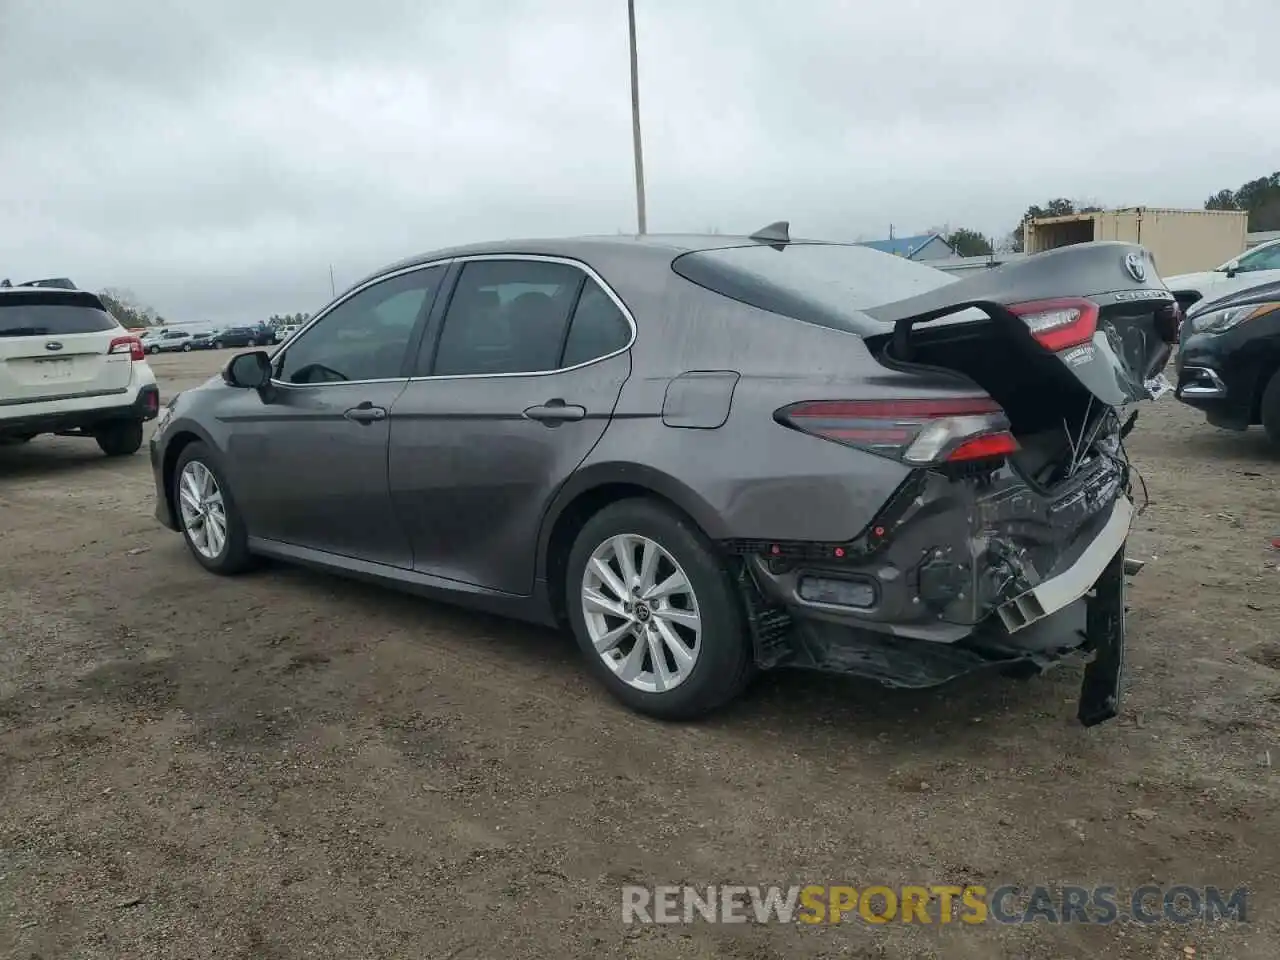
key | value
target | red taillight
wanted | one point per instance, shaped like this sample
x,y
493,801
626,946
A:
x,y
979,448
130,345
1059,324
919,432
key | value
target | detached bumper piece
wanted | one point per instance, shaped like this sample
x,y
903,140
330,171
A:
x,y
1100,692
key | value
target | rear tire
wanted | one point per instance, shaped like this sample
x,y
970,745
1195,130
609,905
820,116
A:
x,y
153,350
186,348
120,439
232,555
1271,408
217,344
721,654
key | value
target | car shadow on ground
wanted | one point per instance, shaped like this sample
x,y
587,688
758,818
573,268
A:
x,y
40,458
794,703
1214,445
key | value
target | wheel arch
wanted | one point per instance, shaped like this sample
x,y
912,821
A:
x,y
590,491
181,437
1269,369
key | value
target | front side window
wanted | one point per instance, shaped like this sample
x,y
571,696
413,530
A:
x,y
365,337
507,316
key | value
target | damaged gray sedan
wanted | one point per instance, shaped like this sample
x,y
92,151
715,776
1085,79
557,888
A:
x,y
705,456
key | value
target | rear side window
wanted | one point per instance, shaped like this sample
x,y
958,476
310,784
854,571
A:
x,y
37,314
825,284
598,327
507,316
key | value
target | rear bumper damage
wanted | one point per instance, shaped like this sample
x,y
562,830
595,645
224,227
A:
x,y
958,576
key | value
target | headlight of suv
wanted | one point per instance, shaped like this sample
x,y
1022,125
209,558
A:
x,y
1220,321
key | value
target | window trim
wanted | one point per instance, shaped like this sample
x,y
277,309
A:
x,y
449,262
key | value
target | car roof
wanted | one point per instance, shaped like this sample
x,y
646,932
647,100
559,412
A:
x,y
582,248
84,298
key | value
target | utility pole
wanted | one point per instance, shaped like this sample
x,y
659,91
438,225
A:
x,y
333,292
635,117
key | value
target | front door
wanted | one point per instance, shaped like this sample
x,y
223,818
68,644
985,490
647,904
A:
x,y
311,454
523,378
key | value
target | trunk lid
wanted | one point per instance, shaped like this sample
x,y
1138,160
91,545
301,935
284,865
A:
x,y
56,344
1099,309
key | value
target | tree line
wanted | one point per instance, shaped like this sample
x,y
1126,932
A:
x,y
1260,198
125,306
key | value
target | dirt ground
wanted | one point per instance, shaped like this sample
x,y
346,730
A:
x,y
288,765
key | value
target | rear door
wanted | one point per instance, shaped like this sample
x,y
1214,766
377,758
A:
x,y
57,344
516,383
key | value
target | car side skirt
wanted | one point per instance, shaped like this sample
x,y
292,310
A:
x,y
532,609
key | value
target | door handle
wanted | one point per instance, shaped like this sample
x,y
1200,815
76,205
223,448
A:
x,y
366,413
554,412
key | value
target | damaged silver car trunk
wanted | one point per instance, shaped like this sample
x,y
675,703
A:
x,y
1012,558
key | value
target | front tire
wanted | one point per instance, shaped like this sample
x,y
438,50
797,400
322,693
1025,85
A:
x,y
186,348
1271,408
120,439
656,613
217,344
153,350
207,515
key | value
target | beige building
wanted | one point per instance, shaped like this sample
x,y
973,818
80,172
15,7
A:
x,y
1181,241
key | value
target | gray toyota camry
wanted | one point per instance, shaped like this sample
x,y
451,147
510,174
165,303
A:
x,y
706,456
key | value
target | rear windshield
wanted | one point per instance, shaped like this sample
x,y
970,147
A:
x,y
40,314
826,284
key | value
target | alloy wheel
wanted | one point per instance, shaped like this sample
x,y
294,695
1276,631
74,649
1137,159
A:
x,y
204,512
641,613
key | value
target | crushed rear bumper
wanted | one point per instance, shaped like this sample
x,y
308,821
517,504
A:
x,y
1092,625
967,577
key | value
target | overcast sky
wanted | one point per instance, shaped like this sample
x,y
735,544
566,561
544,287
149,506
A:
x,y
217,157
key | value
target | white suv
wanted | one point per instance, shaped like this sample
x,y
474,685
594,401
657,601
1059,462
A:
x,y
68,367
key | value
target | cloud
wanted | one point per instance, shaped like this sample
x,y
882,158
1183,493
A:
x,y
218,158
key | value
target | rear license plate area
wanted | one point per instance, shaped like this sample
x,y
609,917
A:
x,y
54,370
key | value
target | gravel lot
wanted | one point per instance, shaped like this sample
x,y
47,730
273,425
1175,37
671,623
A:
x,y
289,765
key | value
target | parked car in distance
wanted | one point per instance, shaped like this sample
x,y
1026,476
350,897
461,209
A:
x,y
201,341
245,336
167,341
67,367
1229,362
705,456
1253,267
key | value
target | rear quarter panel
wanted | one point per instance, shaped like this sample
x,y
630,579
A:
x,y
750,477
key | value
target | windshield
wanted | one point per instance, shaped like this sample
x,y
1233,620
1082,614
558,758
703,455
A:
x,y
1265,256
826,284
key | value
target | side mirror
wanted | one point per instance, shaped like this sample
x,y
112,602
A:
x,y
1233,267
249,370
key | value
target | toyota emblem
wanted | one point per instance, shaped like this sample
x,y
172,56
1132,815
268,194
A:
x,y
1136,266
